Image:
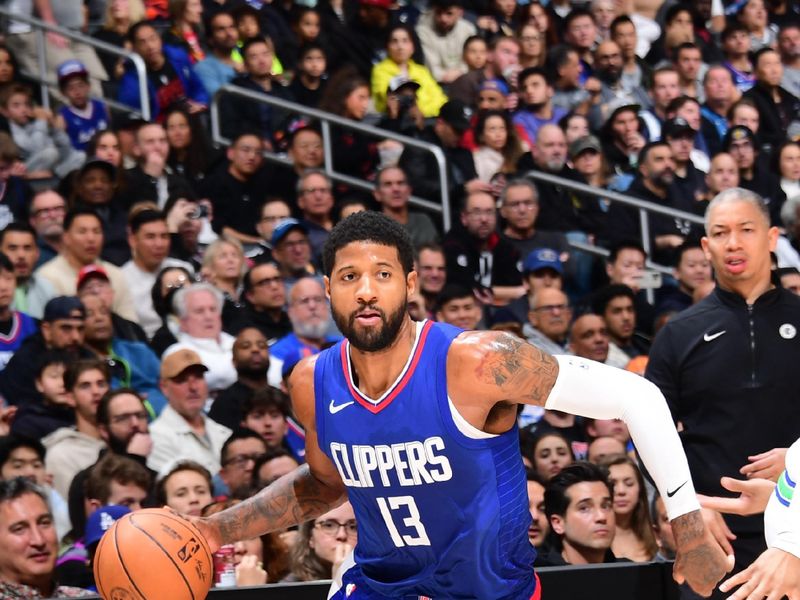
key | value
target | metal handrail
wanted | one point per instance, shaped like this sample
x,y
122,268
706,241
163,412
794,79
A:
x,y
642,205
326,119
40,27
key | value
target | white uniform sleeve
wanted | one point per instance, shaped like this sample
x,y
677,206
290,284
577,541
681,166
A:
x,y
782,517
597,391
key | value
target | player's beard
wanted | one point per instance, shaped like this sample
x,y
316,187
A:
x,y
371,340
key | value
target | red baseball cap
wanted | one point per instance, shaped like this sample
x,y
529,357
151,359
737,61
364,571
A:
x,y
387,4
90,271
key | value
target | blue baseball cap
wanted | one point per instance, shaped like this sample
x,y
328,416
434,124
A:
x,y
101,521
543,258
283,228
71,68
63,307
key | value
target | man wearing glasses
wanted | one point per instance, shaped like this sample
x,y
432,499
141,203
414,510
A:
x,y
239,455
47,213
478,257
315,200
265,297
548,320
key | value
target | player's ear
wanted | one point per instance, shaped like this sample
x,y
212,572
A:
x,y
557,524
411,283
327,282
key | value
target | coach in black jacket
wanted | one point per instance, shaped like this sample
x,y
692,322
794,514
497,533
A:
x,y
728,365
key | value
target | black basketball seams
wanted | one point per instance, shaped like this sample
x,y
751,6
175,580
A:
x,y
122,563
165,551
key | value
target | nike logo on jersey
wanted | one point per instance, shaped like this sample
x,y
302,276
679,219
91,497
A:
x,y
671,493
710,337
334,408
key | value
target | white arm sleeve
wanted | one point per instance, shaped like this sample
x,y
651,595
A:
x,y
597,391
782,517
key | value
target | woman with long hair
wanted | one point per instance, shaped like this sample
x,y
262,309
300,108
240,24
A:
x,y
186,30
168,281
532,46
550,452
190,152
347,95
399,63
322,544
224,267
634,538
498,148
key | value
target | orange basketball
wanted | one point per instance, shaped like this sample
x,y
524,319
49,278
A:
x,y
151,554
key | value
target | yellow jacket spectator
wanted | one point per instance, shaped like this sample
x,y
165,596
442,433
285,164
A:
x,y
400,48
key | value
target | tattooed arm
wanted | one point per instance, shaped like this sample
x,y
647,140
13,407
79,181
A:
x,y
306,493
490,372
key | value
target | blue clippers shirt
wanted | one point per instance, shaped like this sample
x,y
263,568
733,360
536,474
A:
x,y
440,513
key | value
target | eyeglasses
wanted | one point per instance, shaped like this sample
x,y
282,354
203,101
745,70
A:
x,y
523,204
331,527
140,415
308,300
271,219
530,38
240,460
552,308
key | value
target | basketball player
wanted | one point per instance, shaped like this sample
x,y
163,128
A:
x,y
416,424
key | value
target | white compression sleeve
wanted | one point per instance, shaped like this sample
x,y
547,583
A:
x,y
782,517
595,390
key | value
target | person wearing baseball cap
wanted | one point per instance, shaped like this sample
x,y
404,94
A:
x,y
82,116
291,250
449,128
182,430
680,136
754,175
61,329
542,268
93,280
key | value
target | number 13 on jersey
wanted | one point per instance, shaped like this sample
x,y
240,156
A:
x,y
405,508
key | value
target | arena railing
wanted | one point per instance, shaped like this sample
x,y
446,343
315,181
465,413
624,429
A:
x,y
620,581
40,28
327,119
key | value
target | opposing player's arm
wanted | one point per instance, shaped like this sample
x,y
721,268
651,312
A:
x,y
306,493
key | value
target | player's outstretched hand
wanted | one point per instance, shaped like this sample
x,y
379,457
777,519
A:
x,y
753,496
700,560
767,465
773,575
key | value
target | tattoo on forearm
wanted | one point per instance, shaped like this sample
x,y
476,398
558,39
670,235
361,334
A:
x,y
519,369
293,499
688,528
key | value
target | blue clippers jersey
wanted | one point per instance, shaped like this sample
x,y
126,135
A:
x,y
80,129
439,513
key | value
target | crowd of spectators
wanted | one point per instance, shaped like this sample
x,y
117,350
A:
x,y
156,289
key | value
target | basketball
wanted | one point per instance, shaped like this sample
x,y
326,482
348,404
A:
x,y
151,554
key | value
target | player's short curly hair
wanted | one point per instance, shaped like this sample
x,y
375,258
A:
x,y
369,226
